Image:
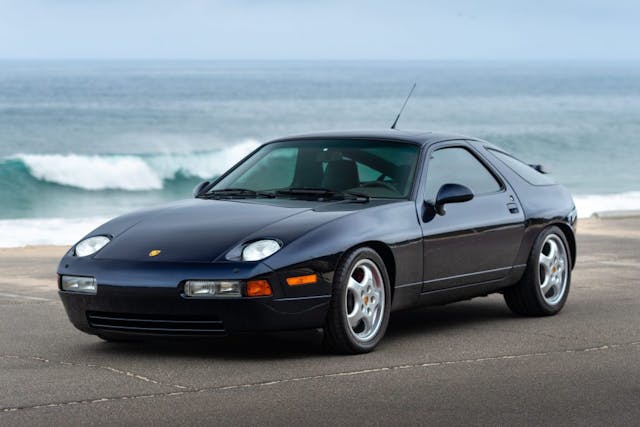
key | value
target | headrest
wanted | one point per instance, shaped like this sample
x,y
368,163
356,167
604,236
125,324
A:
x,y
341,175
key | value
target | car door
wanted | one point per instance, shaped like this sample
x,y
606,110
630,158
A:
x,y
474,241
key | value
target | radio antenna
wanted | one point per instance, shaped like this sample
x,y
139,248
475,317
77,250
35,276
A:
x,y
395,122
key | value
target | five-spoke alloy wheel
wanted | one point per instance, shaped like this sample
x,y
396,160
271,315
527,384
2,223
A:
x,y
553,269
365,299
359,309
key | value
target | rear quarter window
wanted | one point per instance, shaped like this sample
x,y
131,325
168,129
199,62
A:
x,y
525,171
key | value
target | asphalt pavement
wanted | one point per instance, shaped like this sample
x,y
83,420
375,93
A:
x,y
471,363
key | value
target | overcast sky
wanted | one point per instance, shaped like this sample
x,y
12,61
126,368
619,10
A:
x,y
329,29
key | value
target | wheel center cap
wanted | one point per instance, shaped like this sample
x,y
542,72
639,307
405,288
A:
x,y
554,269
366,300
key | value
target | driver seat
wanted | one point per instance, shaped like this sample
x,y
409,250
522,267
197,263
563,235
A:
x,y
341,175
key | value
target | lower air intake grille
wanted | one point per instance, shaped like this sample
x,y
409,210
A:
x,y
156,324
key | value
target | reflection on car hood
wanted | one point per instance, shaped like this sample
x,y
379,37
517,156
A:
x,y
205,230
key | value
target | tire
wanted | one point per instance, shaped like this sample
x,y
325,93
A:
x,y
544,287
360,303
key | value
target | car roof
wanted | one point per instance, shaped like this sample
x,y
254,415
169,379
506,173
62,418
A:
x,y
416,137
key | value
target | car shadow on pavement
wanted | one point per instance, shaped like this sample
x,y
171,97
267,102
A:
x,y
415,323
258,346
429,320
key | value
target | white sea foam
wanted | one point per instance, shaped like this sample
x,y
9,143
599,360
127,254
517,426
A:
x,y
130,172
45,231
93,172
589,204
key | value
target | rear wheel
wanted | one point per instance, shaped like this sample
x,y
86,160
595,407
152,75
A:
x,y
544,288
359,309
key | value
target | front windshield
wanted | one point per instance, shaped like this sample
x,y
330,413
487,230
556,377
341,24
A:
x,y
370,167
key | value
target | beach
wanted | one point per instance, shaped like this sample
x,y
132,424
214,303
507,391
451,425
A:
x,y
471,362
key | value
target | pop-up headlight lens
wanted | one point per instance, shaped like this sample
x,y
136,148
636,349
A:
x,y
260,249
212,288
91,245
82,284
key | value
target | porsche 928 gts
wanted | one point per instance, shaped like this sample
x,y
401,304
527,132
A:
x,y
329,230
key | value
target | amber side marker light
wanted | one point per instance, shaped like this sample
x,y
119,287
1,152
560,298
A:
x,y
258,288
302,280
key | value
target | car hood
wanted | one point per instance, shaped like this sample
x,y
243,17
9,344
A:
x,y
205,230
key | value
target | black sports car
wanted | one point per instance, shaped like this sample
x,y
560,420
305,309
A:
x,y
334,231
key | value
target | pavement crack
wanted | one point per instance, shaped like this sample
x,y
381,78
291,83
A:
x,y
269,383
110,369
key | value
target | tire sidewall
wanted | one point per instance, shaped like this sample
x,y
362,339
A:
x,y
535,276
340,290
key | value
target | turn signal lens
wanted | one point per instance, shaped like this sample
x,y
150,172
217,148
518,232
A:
x,y
258,288
302,280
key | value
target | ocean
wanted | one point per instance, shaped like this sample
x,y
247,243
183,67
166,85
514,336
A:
x,y
83,141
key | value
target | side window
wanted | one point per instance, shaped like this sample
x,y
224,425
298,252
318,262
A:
x,y
525,171
456,165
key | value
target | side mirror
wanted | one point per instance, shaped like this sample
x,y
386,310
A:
x,y
197,190
451,193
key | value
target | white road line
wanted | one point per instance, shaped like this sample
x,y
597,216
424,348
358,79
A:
x,y
5,295
92,365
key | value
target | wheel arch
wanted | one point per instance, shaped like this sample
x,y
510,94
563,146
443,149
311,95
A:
x,y
571,239
385,252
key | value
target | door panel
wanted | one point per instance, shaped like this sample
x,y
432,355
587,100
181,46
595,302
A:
x,y
475,241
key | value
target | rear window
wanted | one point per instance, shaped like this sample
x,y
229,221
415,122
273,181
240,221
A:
x,y
525,171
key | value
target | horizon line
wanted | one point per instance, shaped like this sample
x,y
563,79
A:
x,y
321,59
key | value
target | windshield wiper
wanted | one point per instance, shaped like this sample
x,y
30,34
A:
x,y
233,192
322,192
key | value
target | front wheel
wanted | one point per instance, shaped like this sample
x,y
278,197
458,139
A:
x,y
360,303
544,288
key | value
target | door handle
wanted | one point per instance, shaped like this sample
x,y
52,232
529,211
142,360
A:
x,y
513,208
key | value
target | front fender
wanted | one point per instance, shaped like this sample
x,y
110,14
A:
x,y
395,225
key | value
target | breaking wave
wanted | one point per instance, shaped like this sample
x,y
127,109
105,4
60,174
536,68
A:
x,y
122,172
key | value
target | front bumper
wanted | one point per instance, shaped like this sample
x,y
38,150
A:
x,y
145,299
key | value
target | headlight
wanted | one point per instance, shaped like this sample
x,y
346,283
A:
x,y
260,249
91,245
